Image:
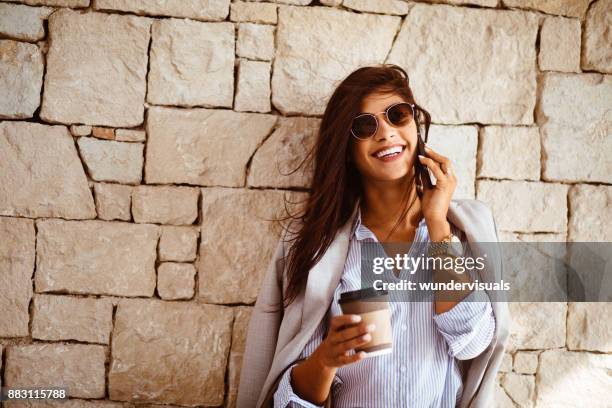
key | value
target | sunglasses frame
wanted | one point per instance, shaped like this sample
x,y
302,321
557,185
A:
x,y
386,112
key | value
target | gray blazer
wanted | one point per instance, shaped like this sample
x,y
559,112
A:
x,y
276,339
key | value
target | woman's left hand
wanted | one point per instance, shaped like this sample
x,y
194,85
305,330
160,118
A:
x,y
435,202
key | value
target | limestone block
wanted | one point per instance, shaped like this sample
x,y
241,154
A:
x,y
21,76
192,63
96,257
71,318
309,64
41,174
96,69
16,269
458,84
174,205
176,355
576,133
202,146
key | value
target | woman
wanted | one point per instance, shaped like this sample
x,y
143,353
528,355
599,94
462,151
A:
x,y
367,188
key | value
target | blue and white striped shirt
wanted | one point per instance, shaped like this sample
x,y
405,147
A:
x,y
425,367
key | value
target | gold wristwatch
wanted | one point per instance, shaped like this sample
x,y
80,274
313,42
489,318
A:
x,y
450,245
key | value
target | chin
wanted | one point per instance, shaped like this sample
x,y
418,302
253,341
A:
x,y
389,176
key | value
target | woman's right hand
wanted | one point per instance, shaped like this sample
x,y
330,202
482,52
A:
x,y
345,333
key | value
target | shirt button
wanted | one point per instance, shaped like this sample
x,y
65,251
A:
x,y
402,368
404,327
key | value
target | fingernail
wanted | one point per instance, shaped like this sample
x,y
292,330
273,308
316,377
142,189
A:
x,y
371,327
420,156
356,318
427,147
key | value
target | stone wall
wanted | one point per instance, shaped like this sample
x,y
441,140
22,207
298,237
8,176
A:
x,y
140,149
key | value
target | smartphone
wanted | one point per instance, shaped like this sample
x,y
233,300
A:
x,y
421,170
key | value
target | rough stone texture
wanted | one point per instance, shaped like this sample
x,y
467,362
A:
x,y
283,152
502,400
130,135
178,244
560,45
459,144
78,367
96,69
194,9
80,130
505,236
526,362
113,201
108,160
462,86
202,146
234,255
72,318
174,205
394,7
570,379
254,12
103,133
575,124
253,93
192,63
41,174
23,22
59,3
539,207
242,316
191,341
506,364
520,388
537,325
16,269
308,66
509,153
176,280
96,257
255,41
21,75
570,8
484,3
597,53
590,213
70,403
535,270
589,326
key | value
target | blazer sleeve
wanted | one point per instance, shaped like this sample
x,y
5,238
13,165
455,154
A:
x,y
262,333
285,397
469,326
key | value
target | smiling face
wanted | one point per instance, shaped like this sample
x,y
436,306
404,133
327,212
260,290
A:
x,y
369,155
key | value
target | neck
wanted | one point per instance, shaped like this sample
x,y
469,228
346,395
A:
x,y
383,202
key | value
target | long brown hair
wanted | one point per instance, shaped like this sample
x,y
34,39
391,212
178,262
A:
x,y
336,182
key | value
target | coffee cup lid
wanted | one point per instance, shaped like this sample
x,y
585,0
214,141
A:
x,y
361,294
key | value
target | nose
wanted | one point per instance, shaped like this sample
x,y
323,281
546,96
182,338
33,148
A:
x,y
385,130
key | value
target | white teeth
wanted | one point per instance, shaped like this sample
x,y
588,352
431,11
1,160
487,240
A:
x,y
391,150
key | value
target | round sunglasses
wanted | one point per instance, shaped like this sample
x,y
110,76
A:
x,y
365,125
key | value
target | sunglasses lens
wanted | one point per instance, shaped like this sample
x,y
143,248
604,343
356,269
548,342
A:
x,y
400,114
364,126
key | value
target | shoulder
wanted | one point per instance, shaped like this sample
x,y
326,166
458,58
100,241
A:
x,y
474,206
478,217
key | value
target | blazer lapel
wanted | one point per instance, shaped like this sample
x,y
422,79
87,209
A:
x,y
323,279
